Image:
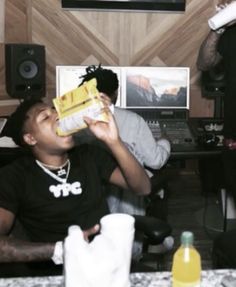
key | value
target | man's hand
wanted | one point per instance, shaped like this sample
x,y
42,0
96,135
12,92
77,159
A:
x,y
92,231
105,131
105,99
222,4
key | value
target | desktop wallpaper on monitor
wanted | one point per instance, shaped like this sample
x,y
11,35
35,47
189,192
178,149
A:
x,y
156,87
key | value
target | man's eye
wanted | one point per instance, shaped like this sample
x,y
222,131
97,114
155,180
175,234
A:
x,y
44,117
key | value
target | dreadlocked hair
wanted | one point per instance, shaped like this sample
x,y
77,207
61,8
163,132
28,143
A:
x,y
107,80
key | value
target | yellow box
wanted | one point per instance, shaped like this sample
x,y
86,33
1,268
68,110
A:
x,y
74,105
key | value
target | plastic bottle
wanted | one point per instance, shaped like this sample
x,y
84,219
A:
x,y
186,268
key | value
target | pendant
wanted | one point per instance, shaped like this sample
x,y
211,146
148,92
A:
x,y
61,172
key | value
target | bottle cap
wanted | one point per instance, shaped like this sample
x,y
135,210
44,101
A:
x,y
187,238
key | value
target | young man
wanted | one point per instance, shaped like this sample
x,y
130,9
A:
x,y
58,185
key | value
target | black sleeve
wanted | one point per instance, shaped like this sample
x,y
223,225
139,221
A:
x,y
11,186
104,161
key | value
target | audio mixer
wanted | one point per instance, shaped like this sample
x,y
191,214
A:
x,y
177,131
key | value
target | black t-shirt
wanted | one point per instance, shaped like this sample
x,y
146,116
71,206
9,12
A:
x,y
44,207
227,49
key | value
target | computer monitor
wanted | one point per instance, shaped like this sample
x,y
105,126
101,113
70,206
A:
x,y
140,87
69,78
156,87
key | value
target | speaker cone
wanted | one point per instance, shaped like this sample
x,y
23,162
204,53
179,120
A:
x,y
28,69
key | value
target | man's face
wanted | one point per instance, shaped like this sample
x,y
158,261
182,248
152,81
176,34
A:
x,y
40,130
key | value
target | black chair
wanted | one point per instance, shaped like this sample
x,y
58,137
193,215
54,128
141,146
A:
x,y
152,229
155,232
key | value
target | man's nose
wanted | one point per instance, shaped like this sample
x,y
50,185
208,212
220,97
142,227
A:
x,y
55,114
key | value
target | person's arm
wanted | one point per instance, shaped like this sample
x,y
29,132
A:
x,y
155,153
208,55
130,173
15,250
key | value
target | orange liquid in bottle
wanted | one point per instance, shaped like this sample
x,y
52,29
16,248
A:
x,y
186,269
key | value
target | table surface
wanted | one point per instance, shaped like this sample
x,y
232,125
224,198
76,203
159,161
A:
x,y
210,278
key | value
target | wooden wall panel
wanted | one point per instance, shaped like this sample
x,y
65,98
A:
x,y
2,20
15,31
16,21
113,38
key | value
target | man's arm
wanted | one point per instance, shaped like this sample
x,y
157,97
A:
x,y
130,173
155,153
14,250
208,55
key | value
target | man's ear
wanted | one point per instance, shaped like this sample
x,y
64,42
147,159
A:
x,y
29,139
114,97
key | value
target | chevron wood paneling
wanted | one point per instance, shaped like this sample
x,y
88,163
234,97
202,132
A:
x,y
110,38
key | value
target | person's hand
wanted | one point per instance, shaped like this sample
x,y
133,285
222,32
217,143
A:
x,y
92,231
222,4
105,131
105,99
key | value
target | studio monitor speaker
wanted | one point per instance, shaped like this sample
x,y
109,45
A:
x,y
25,70
213,82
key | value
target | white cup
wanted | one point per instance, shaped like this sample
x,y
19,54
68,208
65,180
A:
x,y
223,17
117,222
119,228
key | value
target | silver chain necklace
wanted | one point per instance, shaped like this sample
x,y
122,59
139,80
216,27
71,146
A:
x,y
53,175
